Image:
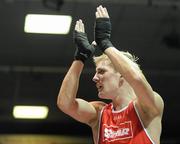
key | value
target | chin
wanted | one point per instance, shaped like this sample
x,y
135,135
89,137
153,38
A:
x,y
99,95
102,96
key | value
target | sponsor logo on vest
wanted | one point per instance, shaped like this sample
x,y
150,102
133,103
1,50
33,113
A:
x,y
122,131
108,133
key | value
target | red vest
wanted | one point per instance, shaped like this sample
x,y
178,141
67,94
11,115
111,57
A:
x,y
122,127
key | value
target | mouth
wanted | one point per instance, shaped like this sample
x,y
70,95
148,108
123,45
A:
x,y
99,87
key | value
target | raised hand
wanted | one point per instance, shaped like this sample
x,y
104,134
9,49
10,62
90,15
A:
x,y
103,28
83,48
102,12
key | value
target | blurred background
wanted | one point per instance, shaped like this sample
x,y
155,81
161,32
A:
x,y
32,65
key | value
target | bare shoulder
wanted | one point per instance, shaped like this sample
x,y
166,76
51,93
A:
x,y
152,123
98,104
159,104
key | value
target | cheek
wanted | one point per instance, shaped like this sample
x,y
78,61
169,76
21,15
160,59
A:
x,y
115,85
111,81
112,84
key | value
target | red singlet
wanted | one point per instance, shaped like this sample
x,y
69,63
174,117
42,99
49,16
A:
x,y
122,127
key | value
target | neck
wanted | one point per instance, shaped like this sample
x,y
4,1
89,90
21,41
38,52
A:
x,y
120,103
123,99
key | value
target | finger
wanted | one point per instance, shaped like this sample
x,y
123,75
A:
x,y
103,12
83,29
94,43
106,12
99,12
97,15
76,26
81,26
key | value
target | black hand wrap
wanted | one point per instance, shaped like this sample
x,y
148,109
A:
x,y
103,33
83,48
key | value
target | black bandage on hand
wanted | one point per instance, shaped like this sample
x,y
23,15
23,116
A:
x,y
103,33
83,48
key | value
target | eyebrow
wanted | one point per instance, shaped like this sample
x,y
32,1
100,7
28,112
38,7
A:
x,y
100,68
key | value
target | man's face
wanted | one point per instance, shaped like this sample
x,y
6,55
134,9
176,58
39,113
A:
x,y
107,80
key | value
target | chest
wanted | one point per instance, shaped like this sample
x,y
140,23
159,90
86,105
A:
x,y
121,127
119,118
118,125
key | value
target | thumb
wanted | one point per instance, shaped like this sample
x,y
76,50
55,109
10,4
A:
x,y
94,43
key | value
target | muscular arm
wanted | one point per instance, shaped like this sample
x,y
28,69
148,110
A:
x,y
70,84
79,109
147,100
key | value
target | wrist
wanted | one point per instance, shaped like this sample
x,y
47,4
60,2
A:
x,y
80,62
104,44
80,57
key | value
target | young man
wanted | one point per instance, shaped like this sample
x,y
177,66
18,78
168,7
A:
x,y
135,114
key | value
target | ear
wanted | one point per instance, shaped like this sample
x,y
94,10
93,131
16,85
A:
x,y
121,80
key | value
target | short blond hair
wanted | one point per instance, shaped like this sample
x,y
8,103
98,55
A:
x,y
104,57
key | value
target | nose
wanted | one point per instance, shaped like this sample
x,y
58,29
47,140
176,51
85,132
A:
x,y
95,78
